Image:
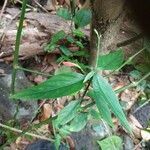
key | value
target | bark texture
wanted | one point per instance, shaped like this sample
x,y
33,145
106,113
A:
x,y
106,19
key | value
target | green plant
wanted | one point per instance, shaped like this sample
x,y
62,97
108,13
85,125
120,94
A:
x,y
76,114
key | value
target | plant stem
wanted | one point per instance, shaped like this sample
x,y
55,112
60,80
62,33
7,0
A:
x,y
17,46
98,48
130,59
33,71
26,133
132,84
86,89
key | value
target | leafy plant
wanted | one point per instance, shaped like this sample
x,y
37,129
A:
x,y
111,143
74,116
81,17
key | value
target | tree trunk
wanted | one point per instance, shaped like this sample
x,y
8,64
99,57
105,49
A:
x,y
106,18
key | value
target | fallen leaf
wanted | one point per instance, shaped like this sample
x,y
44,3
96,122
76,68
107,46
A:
x,y
145,135
47,111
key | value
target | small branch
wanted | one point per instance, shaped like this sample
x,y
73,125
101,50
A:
x,y
132,84
26,133
131,40
33,71
130,59
3,8
86,89
41,6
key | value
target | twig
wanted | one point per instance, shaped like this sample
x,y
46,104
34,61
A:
x,y
130,59
17,46
40,6
32,71
132,84
26,133
131,40
19,1
3,8
142,106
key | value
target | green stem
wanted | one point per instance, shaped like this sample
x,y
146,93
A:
x,y
132,84
98,47
130,59
33,71
17,46
26,133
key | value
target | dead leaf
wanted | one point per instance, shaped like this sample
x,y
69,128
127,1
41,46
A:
x,y
135,126
38,79
47,111
145,135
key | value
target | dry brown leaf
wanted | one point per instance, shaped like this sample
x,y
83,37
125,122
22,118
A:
x,y
47,111
136,126
38,79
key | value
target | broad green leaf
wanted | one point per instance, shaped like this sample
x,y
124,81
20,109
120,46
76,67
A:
x,y
67,113
55,38
65,50
105,93
101,105
89,76
64,13
57,86
83,17
79,122
111,143
111,61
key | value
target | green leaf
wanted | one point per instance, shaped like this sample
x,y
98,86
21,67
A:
x,y
78,43
55,38
111,61
63,131
89,76
95,114
79,122
78,33
111,143
57,86
65,50
83,17
103,91
101,105
57,141
67,113
64,13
